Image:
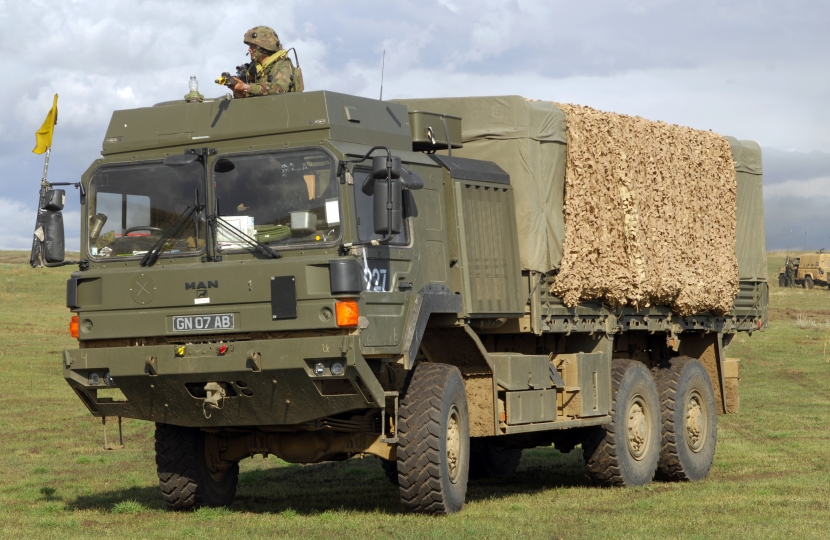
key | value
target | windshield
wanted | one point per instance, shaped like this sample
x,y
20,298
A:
x,y
131,206
281,199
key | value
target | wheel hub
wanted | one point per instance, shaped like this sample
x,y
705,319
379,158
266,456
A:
x,y
453,444
696,421
639,435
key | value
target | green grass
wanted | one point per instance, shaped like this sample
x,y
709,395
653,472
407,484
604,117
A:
x,y
770,479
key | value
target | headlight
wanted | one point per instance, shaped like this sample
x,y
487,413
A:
x,y
337,368
319,368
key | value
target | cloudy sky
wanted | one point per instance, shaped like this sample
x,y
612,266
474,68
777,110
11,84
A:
x,y
752,69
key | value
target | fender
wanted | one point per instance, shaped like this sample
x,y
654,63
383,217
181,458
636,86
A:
x,y
432,298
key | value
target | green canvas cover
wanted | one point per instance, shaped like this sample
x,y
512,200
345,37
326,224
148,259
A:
x,y
749,234
527,139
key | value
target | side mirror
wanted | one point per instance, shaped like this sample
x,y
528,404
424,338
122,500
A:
x,y
48,245
223,165
381,205
380,167
377,186
411,180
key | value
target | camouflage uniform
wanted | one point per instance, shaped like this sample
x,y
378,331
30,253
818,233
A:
x,y
276,75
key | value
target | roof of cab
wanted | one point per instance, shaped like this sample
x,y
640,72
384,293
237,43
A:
x,y
335,116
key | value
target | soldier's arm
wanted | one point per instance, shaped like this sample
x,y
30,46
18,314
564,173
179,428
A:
x,y
277,81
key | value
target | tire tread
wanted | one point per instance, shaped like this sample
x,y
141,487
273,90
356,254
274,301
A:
x,y
176,466
419,432
670,467
600,451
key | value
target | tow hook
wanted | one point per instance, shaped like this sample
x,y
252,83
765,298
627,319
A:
x,y
213,399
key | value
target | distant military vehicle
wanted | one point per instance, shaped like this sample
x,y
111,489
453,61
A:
x,y
303,275
810,270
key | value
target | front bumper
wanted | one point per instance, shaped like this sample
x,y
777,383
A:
x,y
268,382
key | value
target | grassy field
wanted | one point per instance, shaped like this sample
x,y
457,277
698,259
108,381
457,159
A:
x,y
770,479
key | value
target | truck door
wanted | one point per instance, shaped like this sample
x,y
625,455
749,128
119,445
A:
x,y
387,271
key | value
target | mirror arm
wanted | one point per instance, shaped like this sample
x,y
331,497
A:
x,y
78,185
345,247
341,168
83,264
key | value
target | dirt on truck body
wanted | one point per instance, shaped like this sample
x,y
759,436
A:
x,y
434,282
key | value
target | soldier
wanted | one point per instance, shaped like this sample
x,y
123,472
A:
x,y
275,74
790,273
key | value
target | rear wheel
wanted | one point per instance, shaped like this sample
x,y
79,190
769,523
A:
x,y
625,452
493,461
782,281
689,418
808,282
185,479
433,440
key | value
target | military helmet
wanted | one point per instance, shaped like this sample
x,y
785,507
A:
x,y
264,37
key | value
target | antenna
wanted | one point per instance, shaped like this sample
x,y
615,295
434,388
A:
x,y
789,240
382,68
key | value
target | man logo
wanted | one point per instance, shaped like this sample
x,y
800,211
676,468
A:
x,y
201,285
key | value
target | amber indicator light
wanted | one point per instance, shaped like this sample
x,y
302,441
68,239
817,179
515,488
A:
x,y
73,326
347,313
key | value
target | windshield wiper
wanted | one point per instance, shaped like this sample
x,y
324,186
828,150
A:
x,y
172,231
253,243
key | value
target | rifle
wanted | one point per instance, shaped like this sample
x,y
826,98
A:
x,y
245,73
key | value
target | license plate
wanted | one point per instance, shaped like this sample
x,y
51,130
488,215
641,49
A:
x,y
189,323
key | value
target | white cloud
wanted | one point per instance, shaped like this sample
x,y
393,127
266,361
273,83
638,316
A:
x,y
449,5
17,222
774,115
807,189
741,68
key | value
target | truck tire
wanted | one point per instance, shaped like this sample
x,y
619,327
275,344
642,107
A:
x,y
782,281
808,282
625,452
690,420
492,461
433,440
184,478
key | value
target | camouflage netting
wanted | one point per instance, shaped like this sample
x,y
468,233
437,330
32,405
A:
x,y
624,210
649,215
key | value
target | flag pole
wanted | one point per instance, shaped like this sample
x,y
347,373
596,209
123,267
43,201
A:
x,y
44,145
43,181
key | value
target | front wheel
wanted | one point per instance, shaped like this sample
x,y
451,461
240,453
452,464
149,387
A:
x,y
185,478
690,420
782,281
625,451
808,282
433,440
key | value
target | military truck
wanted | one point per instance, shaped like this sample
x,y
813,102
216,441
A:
x,y
319,276
810,269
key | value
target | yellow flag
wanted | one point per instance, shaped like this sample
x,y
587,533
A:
x,y
44,134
